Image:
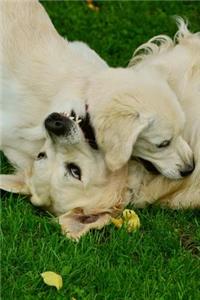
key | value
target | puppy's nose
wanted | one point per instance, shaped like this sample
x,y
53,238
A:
x,y
188,170
57,124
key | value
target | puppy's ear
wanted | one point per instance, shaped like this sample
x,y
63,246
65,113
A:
x,y
14,183
117,130
76,224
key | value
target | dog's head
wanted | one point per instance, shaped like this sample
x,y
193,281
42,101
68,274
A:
x,y
69,177
137,114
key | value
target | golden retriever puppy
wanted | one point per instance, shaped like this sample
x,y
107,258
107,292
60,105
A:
x,y
138,113
179,63
43,82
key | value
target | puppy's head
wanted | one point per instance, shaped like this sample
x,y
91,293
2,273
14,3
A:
x,y
70,179
137,114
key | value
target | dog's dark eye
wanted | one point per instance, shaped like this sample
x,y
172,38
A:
x,y
74,170
41,155
164,144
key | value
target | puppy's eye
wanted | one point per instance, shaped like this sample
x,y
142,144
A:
x,y
74,170
41,155
164,144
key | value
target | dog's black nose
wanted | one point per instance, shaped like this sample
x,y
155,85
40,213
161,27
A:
x,y
57,124
188,170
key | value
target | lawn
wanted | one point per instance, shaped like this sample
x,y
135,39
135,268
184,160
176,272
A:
x,y
161,261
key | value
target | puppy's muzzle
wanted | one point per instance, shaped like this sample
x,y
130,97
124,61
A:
x,y
148,166
58,124
188,169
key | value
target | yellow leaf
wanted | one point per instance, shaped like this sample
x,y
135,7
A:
x,y
131,220
91,5
118,222
52,279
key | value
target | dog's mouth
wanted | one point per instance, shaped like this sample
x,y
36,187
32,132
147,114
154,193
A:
x,y
148,166
67,124
88,131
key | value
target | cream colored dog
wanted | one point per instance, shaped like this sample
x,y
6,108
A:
x,y
42,75
179,63
46,83
137,113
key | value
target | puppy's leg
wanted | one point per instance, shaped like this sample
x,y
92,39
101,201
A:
x,y
187,198
180,194
18,159
33,134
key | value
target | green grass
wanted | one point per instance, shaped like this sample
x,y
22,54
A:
x,y
162,260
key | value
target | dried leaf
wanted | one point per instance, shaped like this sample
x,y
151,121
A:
x,y
52,279
118,222
131,220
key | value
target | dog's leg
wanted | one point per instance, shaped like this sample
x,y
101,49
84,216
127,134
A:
x,y
33,134
187,198
177,194
18,159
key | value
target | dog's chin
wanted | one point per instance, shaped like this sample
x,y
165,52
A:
x,y
149,166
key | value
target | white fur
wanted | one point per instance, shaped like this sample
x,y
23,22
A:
x,y
42,73
179,62
133,112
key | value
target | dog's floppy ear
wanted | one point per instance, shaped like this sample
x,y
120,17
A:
x,y
75,224
117,129
119,141
14,183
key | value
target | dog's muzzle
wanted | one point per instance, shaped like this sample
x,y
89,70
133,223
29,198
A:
x,y
188,169
149,166
152,169
58,124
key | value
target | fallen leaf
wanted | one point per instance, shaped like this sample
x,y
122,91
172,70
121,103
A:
x,y
52,279
131,220
118,222
91,5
